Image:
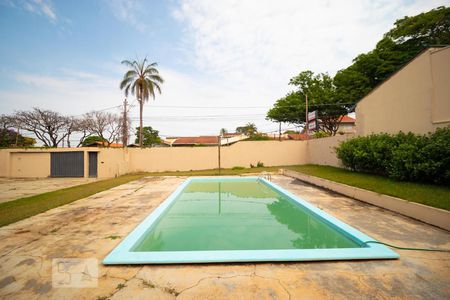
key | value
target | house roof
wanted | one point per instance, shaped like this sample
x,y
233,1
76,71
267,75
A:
x,y
231,134
297,136
104,144
197,140
347,119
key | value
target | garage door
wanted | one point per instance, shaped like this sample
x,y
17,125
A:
x,y
67,164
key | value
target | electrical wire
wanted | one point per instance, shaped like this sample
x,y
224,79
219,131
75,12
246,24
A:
x,y
234,107
407,248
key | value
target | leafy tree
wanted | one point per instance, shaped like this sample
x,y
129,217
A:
x,y
48,126
106,125
141,80
150,136
322,97
259,137
289,109
320,134
249,129
223,131
11,138
398,46
92,139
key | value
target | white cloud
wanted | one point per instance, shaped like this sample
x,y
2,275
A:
x,y
128,11
41,7
74,92
273,40
245,52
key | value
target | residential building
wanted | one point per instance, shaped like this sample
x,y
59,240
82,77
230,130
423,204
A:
x,y
104,144
416,98
227,139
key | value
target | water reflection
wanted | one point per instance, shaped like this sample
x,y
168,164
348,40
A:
x,y
241,215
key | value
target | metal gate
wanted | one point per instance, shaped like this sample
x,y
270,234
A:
x,y
93,164
67,164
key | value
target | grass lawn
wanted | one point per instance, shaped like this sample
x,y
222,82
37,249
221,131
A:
x,y
215,172
437,196
13,211
432,195
16,210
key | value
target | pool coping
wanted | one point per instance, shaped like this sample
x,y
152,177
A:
x,y
122,254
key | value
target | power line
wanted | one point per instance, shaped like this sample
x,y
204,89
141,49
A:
x,y
245,107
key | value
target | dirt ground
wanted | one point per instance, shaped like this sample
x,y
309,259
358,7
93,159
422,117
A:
x,y
90,228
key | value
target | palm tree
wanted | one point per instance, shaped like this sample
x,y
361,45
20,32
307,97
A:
x,y
141,80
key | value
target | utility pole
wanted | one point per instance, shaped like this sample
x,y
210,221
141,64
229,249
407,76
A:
x,y
125,124
279,131
306,118
219,142
17,135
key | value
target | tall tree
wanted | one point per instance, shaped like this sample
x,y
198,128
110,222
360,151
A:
x,y
150,136
141,80
48,126
223,131
289,109
321,93
11,138
107,126
402,43
249,129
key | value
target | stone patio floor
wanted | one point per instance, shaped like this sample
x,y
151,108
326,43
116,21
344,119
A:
x,y
11,189
87,228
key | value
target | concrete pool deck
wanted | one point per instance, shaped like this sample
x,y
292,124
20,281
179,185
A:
x,y
91,227
14,188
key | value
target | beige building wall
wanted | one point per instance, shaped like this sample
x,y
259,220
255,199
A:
x,y
440,70
270,153
116,162
416,98
172,159
30,164
322,151
4,163
112,162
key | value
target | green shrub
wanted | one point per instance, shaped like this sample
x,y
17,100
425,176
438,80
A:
x,y
407,157
320,134
259,137
237,168
259,164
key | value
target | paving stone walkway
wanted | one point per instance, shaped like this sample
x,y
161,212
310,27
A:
x,y
92,227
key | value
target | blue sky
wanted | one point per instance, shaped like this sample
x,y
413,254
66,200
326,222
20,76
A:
x,y
65,55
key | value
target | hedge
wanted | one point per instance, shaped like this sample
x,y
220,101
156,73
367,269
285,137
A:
x,y
403,156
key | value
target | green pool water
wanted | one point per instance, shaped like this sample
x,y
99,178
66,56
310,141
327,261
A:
x,y
238,215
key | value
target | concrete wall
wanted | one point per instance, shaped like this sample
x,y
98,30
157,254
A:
x,y
4,163
115,162
440,73
416,98
271,153
322,151
30,164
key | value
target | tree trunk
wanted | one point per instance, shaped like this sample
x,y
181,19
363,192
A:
x,y
141,108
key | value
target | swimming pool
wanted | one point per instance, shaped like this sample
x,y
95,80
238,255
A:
x,y
240,220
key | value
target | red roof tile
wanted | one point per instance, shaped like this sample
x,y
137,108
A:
x,y
347,119
199,140
105,144
297,136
